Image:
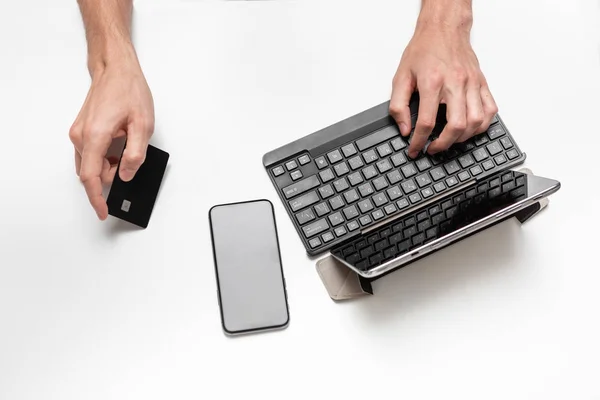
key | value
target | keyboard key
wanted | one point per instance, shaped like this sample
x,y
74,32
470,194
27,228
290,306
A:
x,y
349,150
496,132
314,243
355,163
327,175
315,228
321,163
321,209
452,167
426,193
304,201
305,216
305,159
423,164
494,182
432,232
398,159
336,219
380,199
495,192
384,166
418,238
452,181
410,221
365,206
352,226
336,203
389,252
370,156
394,193
424,225
390,209
508,186
351,196
341,169
512,154
384,150
423,180
301,186
480,154
398,144
471,193
394,176
476,170
466,161
380,183
404,246
481,139
277,171
489,164
409,186
328,237
366,190
507,177
376,138
365,220
422,215
436,219
409,170
414,198
340,185
351,212
506,143
377,215
355,178
435,210
500,159
402,204
494,148
437,174
437,158
326,191
464,176
439,187
340,231
296,175
369,172
334,156
290,165
451,212
408,232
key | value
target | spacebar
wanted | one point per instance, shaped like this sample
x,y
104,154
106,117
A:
x,y
375,138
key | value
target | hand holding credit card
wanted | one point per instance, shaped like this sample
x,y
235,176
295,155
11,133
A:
x,y
133,201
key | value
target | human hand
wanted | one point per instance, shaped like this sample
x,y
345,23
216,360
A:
x,y
119,103
441,65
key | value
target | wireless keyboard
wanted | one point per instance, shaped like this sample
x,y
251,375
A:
x,y
351,177
447,215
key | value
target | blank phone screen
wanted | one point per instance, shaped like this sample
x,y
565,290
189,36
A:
x,y
248,266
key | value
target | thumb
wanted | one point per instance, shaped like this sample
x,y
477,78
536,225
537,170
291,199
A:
x,y
399,104
134,154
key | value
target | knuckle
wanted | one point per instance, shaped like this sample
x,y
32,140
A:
x,y
135,157
426,123
395,110
461,76
457,125
476,120
74,133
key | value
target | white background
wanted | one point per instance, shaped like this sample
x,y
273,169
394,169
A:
x,y
92,310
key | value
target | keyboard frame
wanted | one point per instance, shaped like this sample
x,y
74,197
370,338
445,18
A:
x,y
349,130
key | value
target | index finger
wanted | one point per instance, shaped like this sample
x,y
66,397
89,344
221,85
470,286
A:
x,y
92,160
428,108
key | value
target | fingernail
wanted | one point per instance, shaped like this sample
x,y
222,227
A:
x,y
127,174
403,128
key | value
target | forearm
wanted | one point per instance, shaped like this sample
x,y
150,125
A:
x,y
108,32
446,15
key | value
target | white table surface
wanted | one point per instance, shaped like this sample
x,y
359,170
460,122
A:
x,y
92,310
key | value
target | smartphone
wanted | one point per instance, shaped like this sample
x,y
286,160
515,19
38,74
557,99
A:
x,y
250,280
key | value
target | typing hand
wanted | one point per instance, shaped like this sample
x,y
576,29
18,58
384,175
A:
x,y
118,103
441,65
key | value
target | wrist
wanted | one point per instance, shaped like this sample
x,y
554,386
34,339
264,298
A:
x,y
452,19
110,52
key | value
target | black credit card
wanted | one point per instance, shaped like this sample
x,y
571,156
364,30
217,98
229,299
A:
x,y
134,201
